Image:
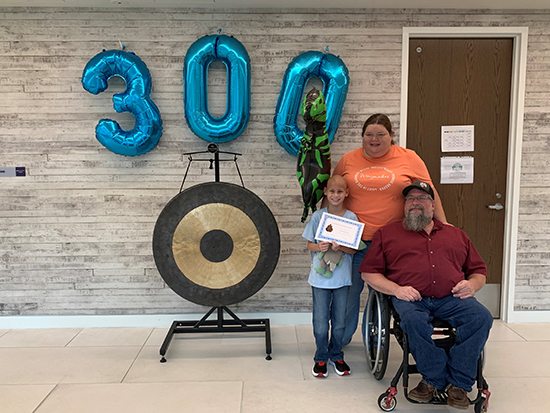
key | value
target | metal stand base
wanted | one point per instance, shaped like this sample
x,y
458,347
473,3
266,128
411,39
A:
x,y
236,325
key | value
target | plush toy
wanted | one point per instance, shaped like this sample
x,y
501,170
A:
x,y
329,261
332,259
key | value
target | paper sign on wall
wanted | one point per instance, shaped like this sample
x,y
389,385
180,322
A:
x,y
457,170
457,138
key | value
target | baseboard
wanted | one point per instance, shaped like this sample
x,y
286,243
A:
x,y
529,316
165,320
138,320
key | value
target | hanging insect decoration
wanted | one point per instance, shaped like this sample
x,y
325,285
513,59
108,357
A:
x,y
314,155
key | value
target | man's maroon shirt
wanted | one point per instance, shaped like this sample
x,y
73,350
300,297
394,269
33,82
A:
x,y
432,264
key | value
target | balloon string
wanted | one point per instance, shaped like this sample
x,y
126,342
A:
x,y
216,42
322,61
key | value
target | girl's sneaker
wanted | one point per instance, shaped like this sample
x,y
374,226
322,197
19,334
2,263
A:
x,y
320,369
340,367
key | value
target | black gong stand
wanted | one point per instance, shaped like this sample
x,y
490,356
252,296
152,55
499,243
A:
x,y
220,325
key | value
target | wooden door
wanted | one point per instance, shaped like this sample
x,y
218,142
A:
x,y
456,82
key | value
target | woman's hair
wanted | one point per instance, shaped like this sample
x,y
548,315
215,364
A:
x,y
378,119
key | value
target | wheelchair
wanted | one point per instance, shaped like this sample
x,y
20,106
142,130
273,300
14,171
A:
x,y
376,337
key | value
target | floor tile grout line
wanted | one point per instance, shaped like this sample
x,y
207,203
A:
x,y
75,336
135,358
515,332
242,396
301,355
149,336
5,332
45,398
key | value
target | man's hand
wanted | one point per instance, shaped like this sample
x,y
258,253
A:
x,y
408,294
335,246
464,289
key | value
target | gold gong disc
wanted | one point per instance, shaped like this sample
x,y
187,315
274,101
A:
x,y
216,244
186,245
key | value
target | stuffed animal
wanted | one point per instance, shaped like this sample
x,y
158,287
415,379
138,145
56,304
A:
x,y
329,261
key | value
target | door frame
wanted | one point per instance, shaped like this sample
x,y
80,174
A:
x,y
515,140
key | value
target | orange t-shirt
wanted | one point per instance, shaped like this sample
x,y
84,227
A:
x,y
376,184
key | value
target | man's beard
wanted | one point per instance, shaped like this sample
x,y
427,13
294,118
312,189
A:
x,y
417,222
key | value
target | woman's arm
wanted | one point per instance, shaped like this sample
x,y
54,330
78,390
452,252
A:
x,y
439,213
421,173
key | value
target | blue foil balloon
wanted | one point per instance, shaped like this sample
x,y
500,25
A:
x,y
195,76
135,99
334,74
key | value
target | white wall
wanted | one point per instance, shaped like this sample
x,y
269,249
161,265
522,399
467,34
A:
x,y
75,234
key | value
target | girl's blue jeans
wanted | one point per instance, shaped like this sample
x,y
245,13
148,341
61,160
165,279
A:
x,y
329,310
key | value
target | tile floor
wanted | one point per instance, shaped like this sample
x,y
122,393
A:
x,y
118,370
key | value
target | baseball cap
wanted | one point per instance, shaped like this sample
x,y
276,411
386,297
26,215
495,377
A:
x,y
419,185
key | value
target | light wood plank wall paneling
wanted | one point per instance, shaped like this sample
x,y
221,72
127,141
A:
x,y
75,234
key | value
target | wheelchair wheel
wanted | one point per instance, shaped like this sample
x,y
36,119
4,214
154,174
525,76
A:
x,y
376,333
382,402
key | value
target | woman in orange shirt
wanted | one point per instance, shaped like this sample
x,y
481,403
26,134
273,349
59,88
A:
x,y
376,175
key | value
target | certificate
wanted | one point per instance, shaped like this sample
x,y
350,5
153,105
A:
x,y
341,230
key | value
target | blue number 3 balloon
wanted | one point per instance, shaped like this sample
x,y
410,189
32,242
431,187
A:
x,y
334,74
235,57
135,99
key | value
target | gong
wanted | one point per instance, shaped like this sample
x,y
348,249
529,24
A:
x,y
216,244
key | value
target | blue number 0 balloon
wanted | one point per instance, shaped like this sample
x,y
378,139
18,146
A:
x,y
195,75
334,74
135,99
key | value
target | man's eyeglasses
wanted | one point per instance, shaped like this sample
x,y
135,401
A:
x,y
422,198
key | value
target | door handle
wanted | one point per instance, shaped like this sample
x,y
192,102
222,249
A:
x,y
498,206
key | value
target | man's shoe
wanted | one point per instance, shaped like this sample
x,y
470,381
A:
x,y
457,398
340,367
320,369
422,393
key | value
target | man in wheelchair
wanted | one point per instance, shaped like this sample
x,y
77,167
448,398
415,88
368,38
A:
x,y
432,270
